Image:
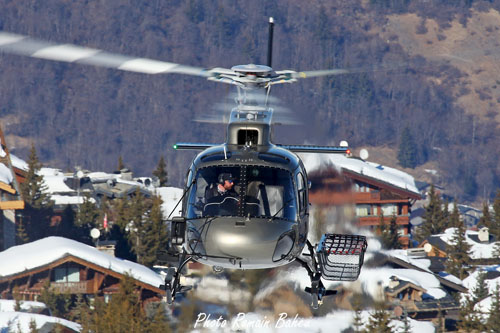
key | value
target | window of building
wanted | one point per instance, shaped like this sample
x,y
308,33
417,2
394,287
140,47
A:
x,y
66,274
389,209
363,210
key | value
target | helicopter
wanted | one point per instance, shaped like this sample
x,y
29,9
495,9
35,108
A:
x,y
245,201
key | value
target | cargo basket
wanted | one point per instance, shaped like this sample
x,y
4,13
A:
x,y
341,256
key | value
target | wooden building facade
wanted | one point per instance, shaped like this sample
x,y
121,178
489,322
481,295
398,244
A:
x,y
372,198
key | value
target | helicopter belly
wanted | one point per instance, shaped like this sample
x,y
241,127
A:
x,y
230,242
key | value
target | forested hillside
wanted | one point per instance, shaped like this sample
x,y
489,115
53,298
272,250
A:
x,y
434,73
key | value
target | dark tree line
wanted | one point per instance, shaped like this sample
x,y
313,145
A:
x,y
100,113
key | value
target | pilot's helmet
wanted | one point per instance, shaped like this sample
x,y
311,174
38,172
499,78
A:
x,y
225,176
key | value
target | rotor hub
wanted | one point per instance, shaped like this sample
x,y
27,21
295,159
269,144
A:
x,y
252,69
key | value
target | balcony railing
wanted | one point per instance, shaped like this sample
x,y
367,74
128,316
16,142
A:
x,y
69,287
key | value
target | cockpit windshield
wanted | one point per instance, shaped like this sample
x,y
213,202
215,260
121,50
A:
x,y
247,191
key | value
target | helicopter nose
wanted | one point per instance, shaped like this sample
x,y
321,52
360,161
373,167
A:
x,y
255,241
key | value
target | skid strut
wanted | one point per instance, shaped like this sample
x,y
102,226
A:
x,y
172,284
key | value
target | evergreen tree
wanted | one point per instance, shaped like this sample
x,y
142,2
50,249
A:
x,y
485,220
480,290
393,234
454,221
389,233
495,225
357,322
158,322
38,206
469,320
121,165
58,304
407,152
379,321
155,237
86,218
161,172
406,322
493,323
458,254
21,234
66,227
88,213
434,220
446,214
136,214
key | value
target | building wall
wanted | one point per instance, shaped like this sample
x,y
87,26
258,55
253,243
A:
x,y
8,225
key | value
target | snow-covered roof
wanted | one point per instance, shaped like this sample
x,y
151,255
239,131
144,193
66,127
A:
x,y
18,163
12,321
54,181
29,256
69,199
5,174
478,250
373,170
170,197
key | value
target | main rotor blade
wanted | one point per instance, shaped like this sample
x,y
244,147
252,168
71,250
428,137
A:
x,y
338,71
27,46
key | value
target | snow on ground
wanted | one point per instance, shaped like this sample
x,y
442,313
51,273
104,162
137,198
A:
x,y
170,197
477,251
20,258
334,322
14,321
9,305
389,175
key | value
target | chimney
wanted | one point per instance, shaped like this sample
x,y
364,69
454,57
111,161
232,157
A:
x,y
394,282
107,247
484,235
126,174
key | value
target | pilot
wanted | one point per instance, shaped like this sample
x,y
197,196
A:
x,y
222,199
224,187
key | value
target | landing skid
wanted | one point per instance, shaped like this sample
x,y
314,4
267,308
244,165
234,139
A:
x,y
336,258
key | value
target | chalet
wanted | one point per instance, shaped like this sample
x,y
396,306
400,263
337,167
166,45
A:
x,y
11,174
412,298
422,294
376,191
70,267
